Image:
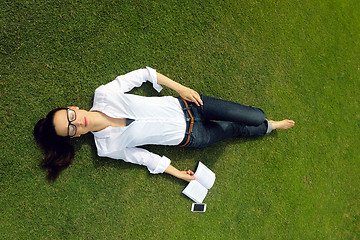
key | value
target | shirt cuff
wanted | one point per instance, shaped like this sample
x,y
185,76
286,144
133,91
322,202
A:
x,y
163,164
269,127
153,79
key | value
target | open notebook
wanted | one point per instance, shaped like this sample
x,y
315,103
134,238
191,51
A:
x,y
197,189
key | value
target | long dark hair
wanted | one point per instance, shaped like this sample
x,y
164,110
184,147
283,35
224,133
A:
x,y
59,153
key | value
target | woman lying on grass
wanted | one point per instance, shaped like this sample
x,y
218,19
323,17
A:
x,y
121,122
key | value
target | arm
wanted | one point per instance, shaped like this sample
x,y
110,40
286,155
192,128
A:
x,y
185,92
125,83
154,162
184,175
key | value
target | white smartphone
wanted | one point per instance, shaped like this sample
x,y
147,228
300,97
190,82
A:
x,y
198,207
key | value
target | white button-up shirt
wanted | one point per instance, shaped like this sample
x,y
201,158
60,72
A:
x,y
158,120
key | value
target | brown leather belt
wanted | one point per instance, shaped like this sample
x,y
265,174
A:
x,y
189,127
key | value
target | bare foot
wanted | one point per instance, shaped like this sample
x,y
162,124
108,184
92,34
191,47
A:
x,y
284,124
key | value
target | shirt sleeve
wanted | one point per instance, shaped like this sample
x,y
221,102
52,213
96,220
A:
x,y
154,163
125,83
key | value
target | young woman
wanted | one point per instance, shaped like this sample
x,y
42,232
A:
x,y
122,122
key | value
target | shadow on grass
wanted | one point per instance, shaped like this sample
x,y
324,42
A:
x,y
182,158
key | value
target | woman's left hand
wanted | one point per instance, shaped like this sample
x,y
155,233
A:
x,y
190,95
186,93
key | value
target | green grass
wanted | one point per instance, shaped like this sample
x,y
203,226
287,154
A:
x,y
294,59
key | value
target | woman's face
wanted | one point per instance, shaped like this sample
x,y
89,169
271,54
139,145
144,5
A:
x,y
72,122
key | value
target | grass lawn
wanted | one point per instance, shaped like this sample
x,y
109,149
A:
x,y
294,59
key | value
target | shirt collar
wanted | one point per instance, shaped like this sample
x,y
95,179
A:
x,y
105,133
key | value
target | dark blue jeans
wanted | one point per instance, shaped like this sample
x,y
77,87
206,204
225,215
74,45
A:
x,y
218,120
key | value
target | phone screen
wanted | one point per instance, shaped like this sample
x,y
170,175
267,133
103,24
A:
x,y
199,207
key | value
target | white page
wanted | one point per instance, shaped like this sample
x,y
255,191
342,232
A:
x,y
195,191
205,176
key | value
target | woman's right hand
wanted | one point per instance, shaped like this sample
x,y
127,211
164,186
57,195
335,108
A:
x,y
184,175
188,175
